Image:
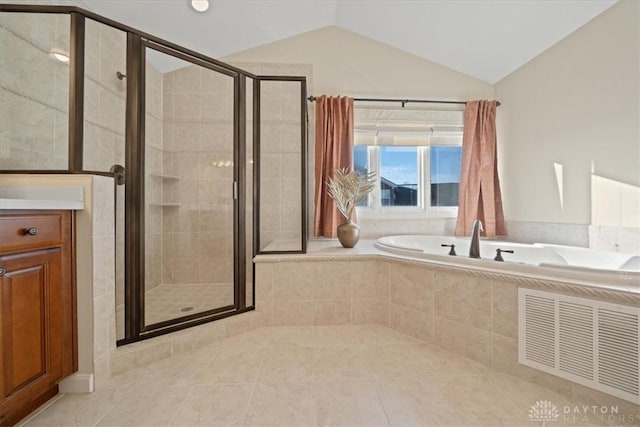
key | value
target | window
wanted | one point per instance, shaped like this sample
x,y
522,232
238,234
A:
x,y
417,165
444,173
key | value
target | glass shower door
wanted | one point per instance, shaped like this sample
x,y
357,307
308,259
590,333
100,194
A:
x,y
189,189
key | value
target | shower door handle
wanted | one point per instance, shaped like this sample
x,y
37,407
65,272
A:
x,y
235,190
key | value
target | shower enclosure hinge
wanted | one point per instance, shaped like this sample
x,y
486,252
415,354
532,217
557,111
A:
x,y
235,190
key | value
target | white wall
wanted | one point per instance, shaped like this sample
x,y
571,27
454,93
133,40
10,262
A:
x,y
345,63
577,105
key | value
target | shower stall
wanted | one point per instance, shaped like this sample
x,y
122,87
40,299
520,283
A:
x,y
208,159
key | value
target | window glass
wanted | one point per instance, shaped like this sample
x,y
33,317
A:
x,y
361,164
445,174
399,176
360,159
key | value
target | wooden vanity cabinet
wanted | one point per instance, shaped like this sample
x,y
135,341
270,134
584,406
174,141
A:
x,y
38,340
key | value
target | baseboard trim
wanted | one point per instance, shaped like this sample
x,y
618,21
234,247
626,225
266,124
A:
x,y
77,384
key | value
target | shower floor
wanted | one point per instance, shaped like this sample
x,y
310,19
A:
x,y
168,301
309,376
171,300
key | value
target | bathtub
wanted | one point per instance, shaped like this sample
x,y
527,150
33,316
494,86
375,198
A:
x,y
537,254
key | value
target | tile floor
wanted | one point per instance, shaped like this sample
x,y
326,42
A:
x,y
308,376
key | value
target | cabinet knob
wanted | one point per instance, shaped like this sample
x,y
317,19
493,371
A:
x,y
31,231
2,272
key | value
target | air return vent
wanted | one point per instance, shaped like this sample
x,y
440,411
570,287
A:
x,y
592,343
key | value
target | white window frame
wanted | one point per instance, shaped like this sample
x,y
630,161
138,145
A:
x,y
374,208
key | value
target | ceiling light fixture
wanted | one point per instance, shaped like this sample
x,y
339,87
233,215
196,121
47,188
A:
x,y
59,56
200,5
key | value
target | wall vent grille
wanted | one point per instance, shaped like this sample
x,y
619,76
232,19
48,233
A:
x,y
593,343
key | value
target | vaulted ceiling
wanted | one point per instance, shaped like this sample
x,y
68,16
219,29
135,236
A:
x,y
486,39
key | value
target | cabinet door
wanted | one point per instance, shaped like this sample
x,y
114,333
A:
x,y
31,316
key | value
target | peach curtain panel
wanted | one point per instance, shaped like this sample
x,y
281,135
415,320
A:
x,y
334,149
480,196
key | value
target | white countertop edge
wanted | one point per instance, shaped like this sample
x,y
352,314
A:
x,y
20,204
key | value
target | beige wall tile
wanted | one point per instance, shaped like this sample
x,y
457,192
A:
x,y
369,279
369,311
412,287
293,313
464,339
412,322
331,280
103,319
505,309
463,299
264,282
331,312
293,281
103,265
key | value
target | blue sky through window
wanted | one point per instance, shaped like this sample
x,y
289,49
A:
x,y
399,164
445,164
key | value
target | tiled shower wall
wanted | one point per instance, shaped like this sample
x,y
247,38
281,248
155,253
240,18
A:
x,y
280,144
197,233
154,181
34,91
280,167
104,96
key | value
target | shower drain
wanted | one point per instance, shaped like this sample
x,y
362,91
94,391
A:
x,y
186,308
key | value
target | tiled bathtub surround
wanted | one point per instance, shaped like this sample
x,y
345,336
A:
x,y
469,313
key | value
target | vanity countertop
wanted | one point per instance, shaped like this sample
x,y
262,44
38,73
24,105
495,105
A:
x,y
41,198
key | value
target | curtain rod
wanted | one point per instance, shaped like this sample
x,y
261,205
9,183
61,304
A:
x,y
405,101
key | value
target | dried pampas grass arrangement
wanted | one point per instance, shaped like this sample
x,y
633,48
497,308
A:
x,y
348,188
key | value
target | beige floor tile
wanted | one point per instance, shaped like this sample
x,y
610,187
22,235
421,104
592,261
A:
x,y
282,405
476,400
182,370
292,335
146,406
379,335
526,395
414,403
255,338
341,363
406,361
362,375
334,335
349,403
78,409
214,405
233,365
288,363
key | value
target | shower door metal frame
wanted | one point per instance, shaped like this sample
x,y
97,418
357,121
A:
x,y
303,160
135,330
135,326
